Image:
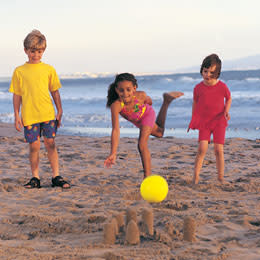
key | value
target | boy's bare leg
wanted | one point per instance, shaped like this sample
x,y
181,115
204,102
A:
x,y
53,158
34,149
52,155
219,152
203,147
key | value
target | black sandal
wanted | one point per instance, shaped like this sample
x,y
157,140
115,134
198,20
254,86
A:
x,y
58,181
33,183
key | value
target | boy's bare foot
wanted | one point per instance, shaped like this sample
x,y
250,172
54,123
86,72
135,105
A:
x,y
170,96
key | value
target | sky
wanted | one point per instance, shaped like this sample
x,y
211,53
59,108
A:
x,y
138,36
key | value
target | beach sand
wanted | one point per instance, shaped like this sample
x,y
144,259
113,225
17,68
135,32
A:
x,y
51,223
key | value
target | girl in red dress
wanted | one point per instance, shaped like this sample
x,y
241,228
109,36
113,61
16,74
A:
x,y
210,113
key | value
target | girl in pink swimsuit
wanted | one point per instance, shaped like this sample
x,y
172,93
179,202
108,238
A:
x,y
142,114
136,107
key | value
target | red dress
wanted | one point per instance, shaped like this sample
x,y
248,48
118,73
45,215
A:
x,y
210,105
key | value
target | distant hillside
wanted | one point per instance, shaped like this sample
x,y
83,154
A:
x,y
245,63
225,75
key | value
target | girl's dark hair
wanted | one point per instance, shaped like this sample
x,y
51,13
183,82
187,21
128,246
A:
x,y
212,60
111,93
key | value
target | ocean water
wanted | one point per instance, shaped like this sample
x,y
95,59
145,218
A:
x,y
85,112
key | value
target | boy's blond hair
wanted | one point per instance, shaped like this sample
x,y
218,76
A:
x,y
35,40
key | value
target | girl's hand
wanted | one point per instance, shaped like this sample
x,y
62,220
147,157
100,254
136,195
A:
x,y
111,160
18,123
227,116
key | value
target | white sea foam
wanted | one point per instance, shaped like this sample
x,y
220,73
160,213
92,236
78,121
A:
x,y
99,118
7,117
6,95
188,79
252,79
245,95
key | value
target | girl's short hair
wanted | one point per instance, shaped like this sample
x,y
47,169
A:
x,y
111,94
35,40
212,60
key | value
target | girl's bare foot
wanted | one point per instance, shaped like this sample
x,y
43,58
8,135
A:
x,y
146,175
222,181
195,180
170,96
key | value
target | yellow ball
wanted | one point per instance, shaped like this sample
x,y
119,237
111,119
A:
x,y
154,188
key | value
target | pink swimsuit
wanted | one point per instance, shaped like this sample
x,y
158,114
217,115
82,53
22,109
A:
x,y
140,115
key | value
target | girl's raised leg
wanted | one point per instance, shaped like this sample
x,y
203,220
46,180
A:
x,y
158,129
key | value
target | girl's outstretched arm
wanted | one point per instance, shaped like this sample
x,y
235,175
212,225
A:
x,y
111,159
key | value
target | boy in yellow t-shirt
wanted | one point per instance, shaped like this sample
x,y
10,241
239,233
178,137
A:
x,y
31,86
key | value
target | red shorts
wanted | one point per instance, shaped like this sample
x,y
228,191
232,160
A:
x,y
218,134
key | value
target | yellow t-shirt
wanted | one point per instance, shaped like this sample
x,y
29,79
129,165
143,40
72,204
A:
x,y
34,82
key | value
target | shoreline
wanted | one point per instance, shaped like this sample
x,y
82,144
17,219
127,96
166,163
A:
x,y
7,129
51,223
133,132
